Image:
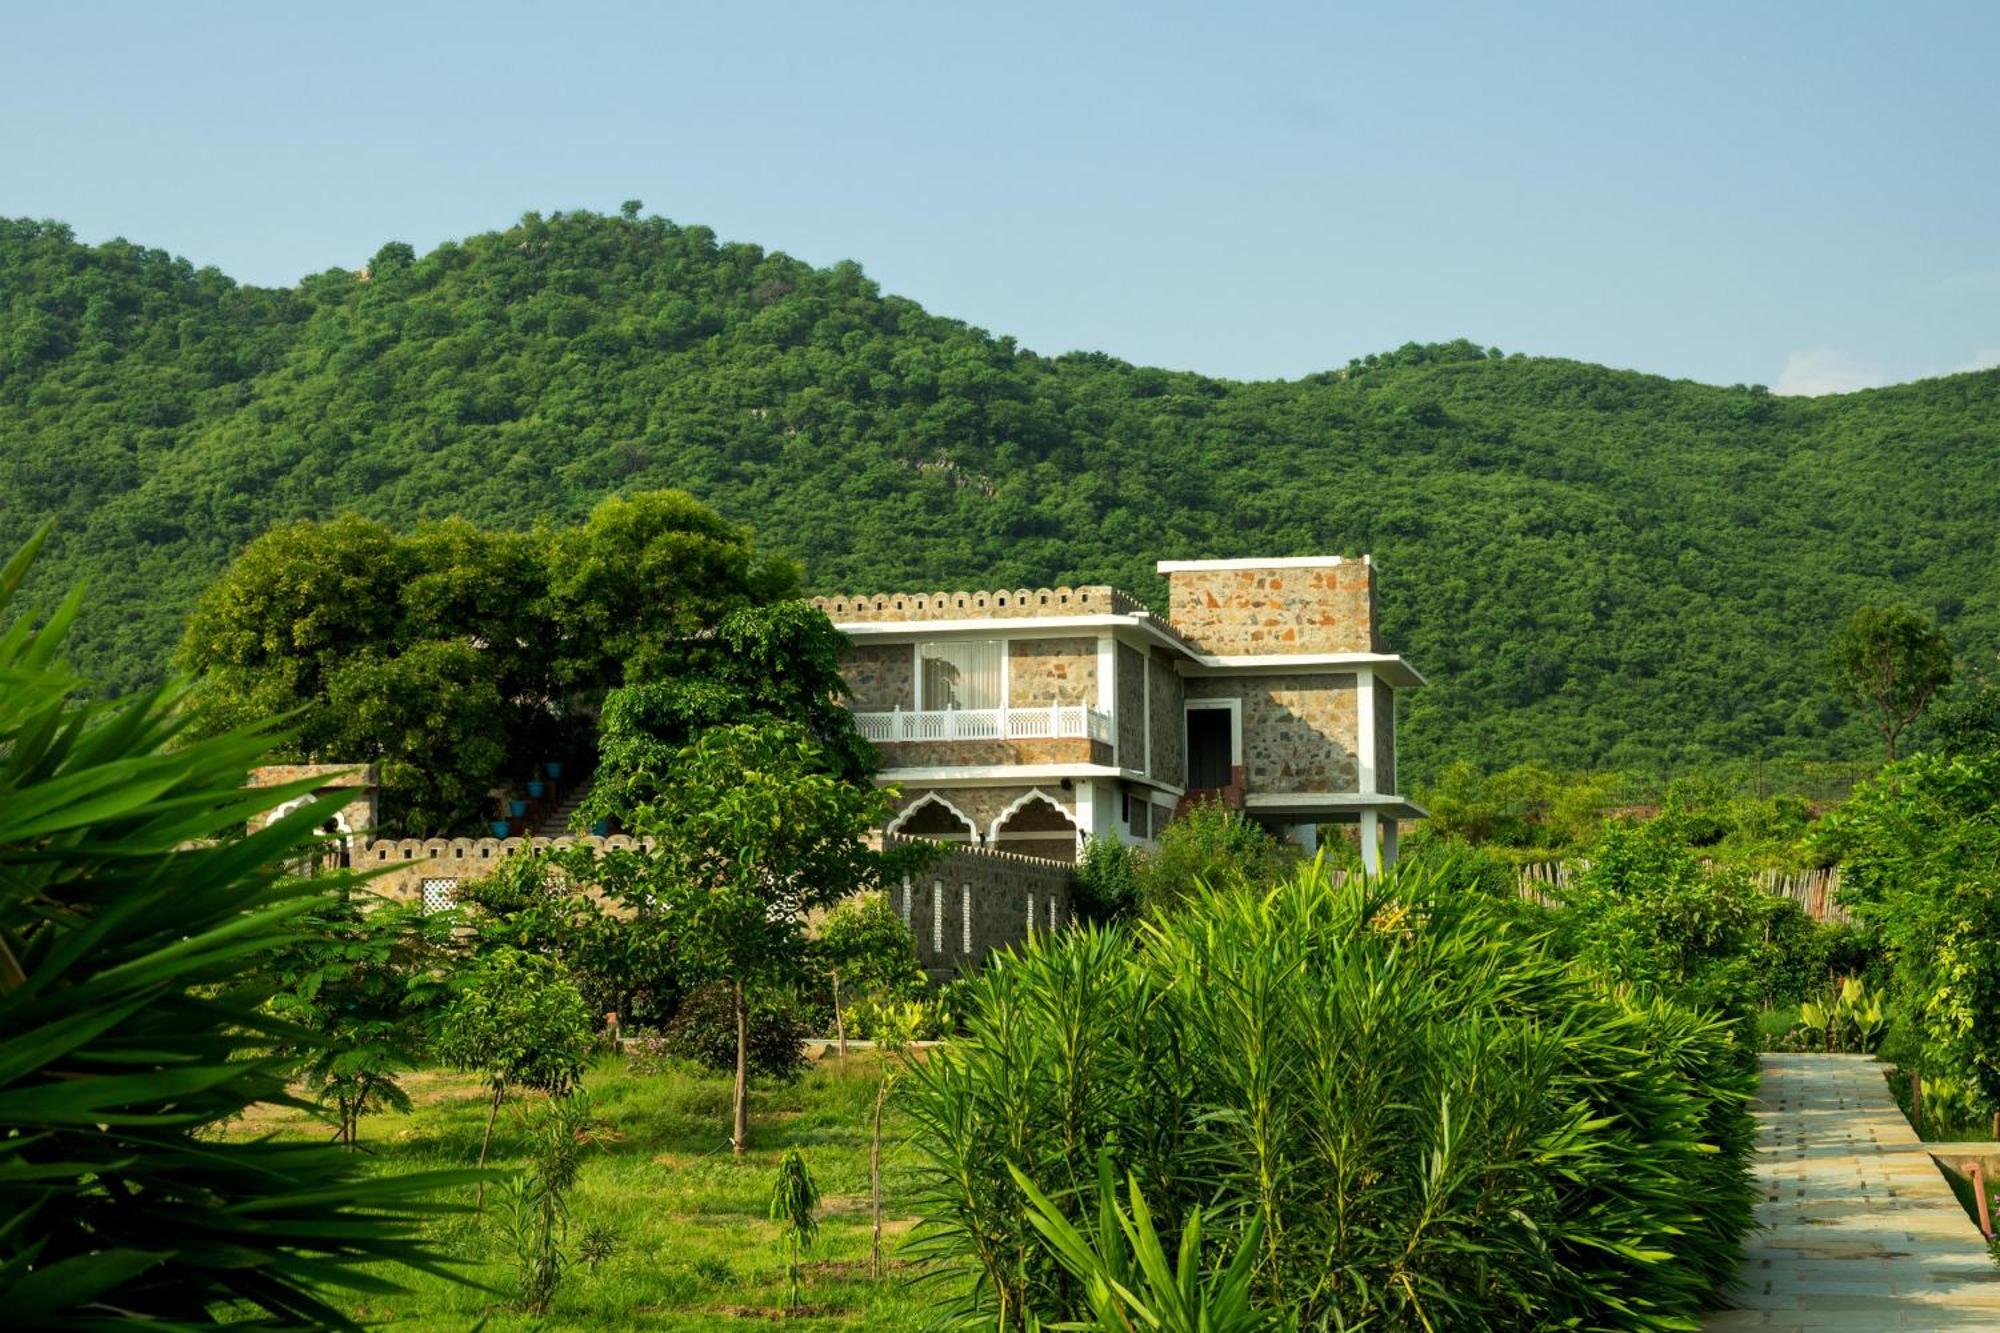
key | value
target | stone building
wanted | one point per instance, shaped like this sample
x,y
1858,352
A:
x,y
1030,720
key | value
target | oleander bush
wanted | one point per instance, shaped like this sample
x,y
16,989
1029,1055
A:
x,y
1427,1113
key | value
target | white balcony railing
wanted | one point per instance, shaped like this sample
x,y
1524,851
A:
x,y
1055,722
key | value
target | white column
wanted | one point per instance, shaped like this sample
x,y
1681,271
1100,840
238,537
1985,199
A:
x,y
1389,832
1086,811
1107,686
1364,731
1307,836
1371,851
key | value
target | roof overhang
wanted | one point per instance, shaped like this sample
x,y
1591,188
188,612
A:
x,y
1016,775
1023,627
1387,667
1308,803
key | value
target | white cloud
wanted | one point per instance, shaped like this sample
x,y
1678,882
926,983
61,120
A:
x,y
1825,370
1986,358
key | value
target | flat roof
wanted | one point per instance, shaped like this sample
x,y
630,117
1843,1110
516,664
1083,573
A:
x,y
1276,562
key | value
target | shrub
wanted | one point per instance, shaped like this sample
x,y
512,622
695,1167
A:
x,y
704,1031
1210,844
1435,1117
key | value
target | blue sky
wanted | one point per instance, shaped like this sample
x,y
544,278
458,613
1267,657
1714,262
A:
x,y
1800,195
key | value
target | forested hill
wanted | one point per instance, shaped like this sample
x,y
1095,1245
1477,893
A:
x,y
1592,566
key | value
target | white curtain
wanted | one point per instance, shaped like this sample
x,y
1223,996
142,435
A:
x,y
962,674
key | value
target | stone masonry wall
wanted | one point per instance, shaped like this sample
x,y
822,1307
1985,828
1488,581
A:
x,y
1299,730
406,864
1045,671
1169,722
1322,609
999,887
1131,685
958,754
880,676
983,805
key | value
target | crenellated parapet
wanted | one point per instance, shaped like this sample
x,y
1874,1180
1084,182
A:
x,y
995,604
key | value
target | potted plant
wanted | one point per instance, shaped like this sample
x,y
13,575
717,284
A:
x,y
537,789
518,809
554,769
500,828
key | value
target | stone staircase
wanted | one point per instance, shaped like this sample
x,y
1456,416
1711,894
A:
x,y
555,822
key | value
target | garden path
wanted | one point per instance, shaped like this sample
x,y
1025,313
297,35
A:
x,y
1859,1230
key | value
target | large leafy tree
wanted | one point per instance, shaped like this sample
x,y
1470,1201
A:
x,y
455,656
1888,661
749,834
138,927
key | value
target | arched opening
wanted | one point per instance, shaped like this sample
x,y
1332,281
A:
x,y
935,818
1036,825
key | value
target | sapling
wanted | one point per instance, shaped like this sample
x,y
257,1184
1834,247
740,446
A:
x,y
794,1207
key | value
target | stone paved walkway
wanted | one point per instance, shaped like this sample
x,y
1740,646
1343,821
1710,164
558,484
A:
x,y
1859,1228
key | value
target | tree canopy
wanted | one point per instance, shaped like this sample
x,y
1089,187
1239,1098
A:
x,y
1596,568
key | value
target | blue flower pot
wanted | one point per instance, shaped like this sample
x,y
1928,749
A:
x,y
499,827
554,769
536,789
601,829
518,809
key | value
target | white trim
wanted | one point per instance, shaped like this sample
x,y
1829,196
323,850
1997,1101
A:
x,y
965,918
971,824
1335,801
1020,803
1026,627
1013,775
1235,707
1390,666
1107,687
1364,731
1281,562
937,916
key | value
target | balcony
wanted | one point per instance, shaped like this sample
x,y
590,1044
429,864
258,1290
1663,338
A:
x,y
1055,722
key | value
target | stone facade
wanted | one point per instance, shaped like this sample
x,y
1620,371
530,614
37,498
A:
x,y
1045,671
1169,722
880,676
973,901
999,604
1254,611
984,805
355,818
1299,731
1131,706
962,754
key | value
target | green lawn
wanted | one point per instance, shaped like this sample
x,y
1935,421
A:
x,y
694,1250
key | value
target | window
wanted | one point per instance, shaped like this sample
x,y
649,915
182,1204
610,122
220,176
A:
x,y
439,895
961,674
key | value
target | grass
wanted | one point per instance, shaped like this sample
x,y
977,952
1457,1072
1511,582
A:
x,y
693,1248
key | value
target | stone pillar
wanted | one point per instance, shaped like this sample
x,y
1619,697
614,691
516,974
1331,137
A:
x,y
1307,837
1371,850
1390,829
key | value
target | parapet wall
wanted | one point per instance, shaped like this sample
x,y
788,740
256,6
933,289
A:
x,y
973,901
999,604
449,861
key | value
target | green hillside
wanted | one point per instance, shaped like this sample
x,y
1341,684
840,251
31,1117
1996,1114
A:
x,y
1593,566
